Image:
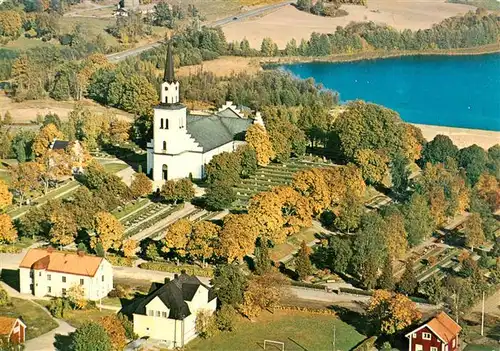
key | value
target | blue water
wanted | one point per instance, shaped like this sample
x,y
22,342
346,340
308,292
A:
x,y
454,91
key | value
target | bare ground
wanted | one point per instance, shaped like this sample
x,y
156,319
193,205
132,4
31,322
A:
x,y
224,66
289,23
462,137
26,111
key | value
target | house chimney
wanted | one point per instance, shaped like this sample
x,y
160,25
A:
x,y
183,271
166,280
176,276
50,249
80,253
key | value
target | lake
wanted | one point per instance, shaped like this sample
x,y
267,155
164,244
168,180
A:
x,y
454,91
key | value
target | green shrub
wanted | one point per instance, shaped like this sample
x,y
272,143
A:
x,y
225,318
58,306
171,268
120,261
128,326
309,285
4,297
356,291
10,249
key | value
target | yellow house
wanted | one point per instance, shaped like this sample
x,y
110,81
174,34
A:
x,y
168,312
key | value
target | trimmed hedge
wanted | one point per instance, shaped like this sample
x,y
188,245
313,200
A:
x,y
10,249
172,268
309,285
356,291
120,261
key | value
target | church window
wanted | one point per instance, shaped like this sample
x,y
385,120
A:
x,y
164,146
165,172
166,88
161,123
166,124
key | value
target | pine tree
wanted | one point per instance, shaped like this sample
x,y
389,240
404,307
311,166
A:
x,y
408,282
386,280
262,260
303,264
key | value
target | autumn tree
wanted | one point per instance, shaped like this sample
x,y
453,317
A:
x,y
24,180
129,248
8,234
10,24
177,237
64,229
5,196
419,223
76,297
488,189
44,138
115,330
51,167
141,185
303,264
373,165
263,292
474,235
257,137
312,185
108,231
178,190
408,282
237,237
392,313
204,240
395,235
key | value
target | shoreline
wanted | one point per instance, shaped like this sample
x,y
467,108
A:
x,y
270,62
461,137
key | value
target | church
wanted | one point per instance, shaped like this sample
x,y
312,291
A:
x,y
183,143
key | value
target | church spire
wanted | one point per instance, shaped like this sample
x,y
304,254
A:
x,y
169,65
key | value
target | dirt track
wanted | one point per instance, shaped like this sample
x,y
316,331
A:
x,y
288,22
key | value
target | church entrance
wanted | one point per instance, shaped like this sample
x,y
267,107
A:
x,y
165,172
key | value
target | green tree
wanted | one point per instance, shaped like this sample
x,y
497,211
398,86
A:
x,y
349,213
303,265
433,288
248,161
219,196
262,259
438,150
224,167
474,235
90,337
340,254
386,280
268,47
419,223
474,160
408,282
178,190
229,283
400,173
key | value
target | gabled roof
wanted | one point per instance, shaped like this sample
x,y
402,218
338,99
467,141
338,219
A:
x,y
7,324
442,326
62,262
60,145
173,294
214,131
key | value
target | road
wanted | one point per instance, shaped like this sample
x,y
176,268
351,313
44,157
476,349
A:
x,y
122,55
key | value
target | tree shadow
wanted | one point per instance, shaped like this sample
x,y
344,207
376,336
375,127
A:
x,y
296,343
11,278
62,342
358,320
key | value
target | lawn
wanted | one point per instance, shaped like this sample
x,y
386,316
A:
x,y
114,167
297,330
292,243
77,318
37,320
130,207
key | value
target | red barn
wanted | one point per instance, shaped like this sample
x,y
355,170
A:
x,y
438,334
13,329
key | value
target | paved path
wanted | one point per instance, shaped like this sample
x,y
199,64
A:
x,y
188,208
146,274
122,55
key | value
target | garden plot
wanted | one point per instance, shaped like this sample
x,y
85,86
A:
x,y
149,214
437,263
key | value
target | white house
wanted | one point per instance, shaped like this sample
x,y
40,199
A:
x,y
47,272
168,312
184,143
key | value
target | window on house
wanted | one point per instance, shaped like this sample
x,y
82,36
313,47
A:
x,y
453,343
164,146
81,281
164,314
157,313
151,313
49,289
433,348
63,291
39,274
426,336
161,123
414,335
102,278
64,279
166,88
166,124
48,277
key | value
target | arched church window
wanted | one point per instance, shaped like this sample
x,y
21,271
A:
x,y
161,123
164,145
165,172
166,124
166,88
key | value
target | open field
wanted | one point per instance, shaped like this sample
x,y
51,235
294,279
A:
x,y
297,330
38,321
224,66
26,111
289,23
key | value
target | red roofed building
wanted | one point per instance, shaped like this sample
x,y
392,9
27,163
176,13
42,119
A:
x,y
48,272
438,334
12,329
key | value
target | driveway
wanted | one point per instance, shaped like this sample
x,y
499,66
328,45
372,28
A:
x,y
46,341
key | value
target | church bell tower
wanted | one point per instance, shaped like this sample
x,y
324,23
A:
x,y
170,87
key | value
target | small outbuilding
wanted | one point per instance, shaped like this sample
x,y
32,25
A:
x,y
13,330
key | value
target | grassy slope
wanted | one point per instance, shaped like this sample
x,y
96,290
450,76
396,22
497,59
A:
x,y
38,322
298,330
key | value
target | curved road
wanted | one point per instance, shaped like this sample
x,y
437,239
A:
x,y
122,55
